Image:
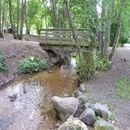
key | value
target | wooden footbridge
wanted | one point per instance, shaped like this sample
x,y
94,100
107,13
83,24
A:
x,y
61,38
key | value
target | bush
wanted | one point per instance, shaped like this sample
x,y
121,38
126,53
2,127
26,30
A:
x,y
3,65
32,64
123,40
103,63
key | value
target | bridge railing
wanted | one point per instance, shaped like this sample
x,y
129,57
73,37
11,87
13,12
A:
x,y
62,36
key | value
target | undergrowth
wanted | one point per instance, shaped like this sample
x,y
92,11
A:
x,y
32,64
3,65
103,63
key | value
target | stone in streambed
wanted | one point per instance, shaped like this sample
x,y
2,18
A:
x,y
102,110
65,106
73,124
88,117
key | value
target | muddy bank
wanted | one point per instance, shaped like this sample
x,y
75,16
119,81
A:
x,y
14,51
31,108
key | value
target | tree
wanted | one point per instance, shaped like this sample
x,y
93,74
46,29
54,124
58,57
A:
x,y
1,31
118,32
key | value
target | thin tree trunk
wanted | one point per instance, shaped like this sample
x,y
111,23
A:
x,y
26,20
11,18
23,5
118,32
108,31
1,33
117,37
70,21
18,11
103,30
54,14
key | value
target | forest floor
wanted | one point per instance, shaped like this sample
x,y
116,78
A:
x,y
102,88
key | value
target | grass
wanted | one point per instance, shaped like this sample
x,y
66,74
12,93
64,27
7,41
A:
x,y
123,88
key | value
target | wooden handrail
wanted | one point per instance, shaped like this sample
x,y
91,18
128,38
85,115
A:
x,y
63,29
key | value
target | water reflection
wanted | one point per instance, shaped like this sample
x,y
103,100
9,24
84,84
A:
x,y
32,108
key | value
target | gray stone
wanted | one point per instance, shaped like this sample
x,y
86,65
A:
x,y
102,110
77,93
103,125
73,124
82,88
13,97
88,105
88,117
65,106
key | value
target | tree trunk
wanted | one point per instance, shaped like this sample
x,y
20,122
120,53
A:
x,y
1,33
26,20
54,14
18,11
118,32
103,30
70,21
23,6
117,37
11,18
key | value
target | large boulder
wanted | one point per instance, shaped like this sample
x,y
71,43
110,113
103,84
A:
x,y
65,106
73,124
101,110
88,117
103,125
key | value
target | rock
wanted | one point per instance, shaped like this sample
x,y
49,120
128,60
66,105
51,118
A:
x,y
53,60
103,125
88,117
13,97
73,124
65,106
102,110
88,105
77,93
82,88
83,98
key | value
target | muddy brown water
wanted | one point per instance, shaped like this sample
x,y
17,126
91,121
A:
x,y
32,108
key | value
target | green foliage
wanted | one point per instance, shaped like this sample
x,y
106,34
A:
x,y
32,64
123,40
103,63
123,88
3,65
86,65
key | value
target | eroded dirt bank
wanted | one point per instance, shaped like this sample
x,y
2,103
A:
x,y
14,51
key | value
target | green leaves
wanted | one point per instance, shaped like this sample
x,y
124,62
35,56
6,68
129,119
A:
x,y
103,63
32,64
3,65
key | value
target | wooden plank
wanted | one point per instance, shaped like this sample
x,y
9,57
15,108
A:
x,y
63,29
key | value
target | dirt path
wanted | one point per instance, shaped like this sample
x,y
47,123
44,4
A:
x,y
102,88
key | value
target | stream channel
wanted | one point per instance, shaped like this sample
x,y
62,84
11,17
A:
x,y
26,103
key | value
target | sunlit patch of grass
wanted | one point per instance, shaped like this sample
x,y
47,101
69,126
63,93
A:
x,y
123,88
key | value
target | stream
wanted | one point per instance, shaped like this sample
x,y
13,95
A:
x,y
26,103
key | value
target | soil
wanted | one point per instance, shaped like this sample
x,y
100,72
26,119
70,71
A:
x,y
14,51
103,86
